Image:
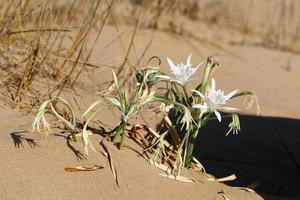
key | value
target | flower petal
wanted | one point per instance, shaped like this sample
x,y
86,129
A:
x,y
218,116
213,84
171,64
188,62
198,65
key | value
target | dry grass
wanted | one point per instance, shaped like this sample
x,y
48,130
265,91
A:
x,y
44,45
273,24
46,42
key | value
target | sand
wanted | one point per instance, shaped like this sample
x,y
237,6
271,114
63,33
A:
x,y
32,167
266,152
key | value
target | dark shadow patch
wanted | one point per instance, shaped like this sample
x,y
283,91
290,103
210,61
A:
x,y
266,152
18,139
77,153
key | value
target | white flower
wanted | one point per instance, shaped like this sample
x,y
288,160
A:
x,y
214,100
182,72
187,119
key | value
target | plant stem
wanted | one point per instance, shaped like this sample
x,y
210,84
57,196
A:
x,y
74,137
122,135
190,147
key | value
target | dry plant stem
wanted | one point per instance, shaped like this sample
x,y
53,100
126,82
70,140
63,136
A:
x,y
82,34
67,77
112,167
125,60
29,74
139,60
92,65
173,131
35,30
95,42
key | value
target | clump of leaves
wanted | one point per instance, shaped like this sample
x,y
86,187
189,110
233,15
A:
x,y
128,104
50,107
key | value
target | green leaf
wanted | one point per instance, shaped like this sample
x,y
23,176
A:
x,y
66,123
116,83
114,102
244,93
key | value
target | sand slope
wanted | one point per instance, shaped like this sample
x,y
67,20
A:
x,y
32,167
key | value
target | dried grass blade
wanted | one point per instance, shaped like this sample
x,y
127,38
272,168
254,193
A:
x,y
160,166
199,165
245,188
178,178
173,131
112,167
225,197
81,168
224,179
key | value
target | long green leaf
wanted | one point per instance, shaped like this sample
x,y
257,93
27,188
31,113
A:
x,y
116,83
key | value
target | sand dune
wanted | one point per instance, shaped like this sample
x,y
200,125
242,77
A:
x,y
266,153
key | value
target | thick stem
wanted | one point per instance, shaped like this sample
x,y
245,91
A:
x,y
190,147
118,134
74,136
122,135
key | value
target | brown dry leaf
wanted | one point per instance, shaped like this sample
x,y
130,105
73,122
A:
x,y
178,178
81,168
141,138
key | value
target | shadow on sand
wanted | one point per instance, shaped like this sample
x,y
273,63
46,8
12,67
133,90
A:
x,y
18,139
266,152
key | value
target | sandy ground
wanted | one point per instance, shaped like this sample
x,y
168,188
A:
x,y
267,150
33,168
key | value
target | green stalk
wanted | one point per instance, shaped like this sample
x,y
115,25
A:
x,y
209,65
122,135
192,139
118,136
190,147
74,136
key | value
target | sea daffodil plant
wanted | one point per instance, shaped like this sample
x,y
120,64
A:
x,y
202,103
193,108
